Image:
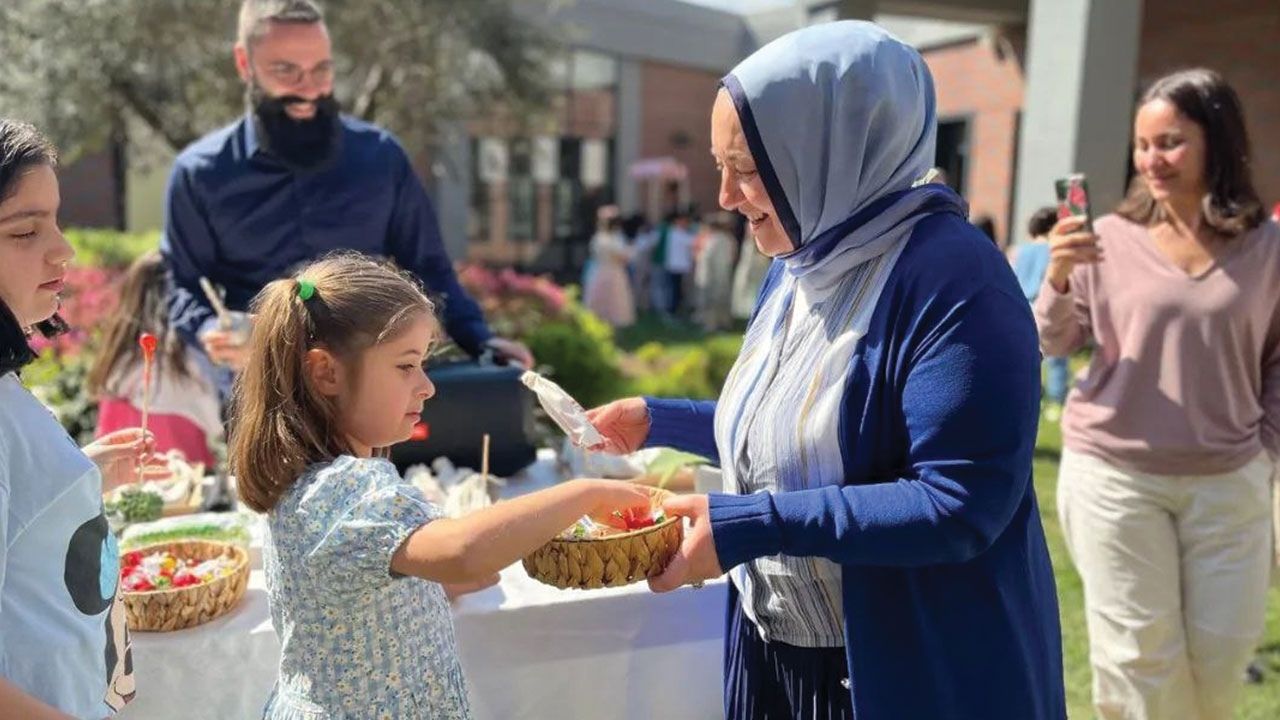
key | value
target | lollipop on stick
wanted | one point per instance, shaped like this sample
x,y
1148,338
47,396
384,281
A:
x,y
148,343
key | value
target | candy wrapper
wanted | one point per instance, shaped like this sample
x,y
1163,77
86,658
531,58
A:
x,y
564,410
459,491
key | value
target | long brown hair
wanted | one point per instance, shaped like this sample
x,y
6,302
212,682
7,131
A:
x,y
1231,207
280,423
142,310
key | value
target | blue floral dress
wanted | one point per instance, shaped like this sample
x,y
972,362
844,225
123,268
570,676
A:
x,y
357,641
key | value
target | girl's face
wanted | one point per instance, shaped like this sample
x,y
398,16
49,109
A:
x,y
1169,152
380,400
33,252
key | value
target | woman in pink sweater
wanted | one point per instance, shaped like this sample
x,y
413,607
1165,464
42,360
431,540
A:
x,y
1169,436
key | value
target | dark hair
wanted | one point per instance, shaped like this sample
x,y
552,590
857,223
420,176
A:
x,y
22,147
280,424
142,309
1042,221
633,225
256,15
987,226
1231,206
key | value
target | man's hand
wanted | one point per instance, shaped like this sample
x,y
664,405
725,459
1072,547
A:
x,y
224,349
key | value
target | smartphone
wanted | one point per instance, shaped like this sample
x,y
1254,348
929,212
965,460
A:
x,y
1073,198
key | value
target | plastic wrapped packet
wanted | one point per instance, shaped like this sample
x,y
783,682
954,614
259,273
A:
x,y
458,491
564,410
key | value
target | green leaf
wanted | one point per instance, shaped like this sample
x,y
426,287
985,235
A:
x,y
667,462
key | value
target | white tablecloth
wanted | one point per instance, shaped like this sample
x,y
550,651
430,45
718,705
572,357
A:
x,y
528,651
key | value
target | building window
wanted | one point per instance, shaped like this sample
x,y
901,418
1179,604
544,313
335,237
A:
x,y
478,215
953,152
550,185
522,194
568,189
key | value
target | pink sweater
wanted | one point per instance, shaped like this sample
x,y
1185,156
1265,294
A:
x,y
1185,377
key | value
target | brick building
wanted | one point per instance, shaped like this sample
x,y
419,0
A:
x,y
638,83
1028,90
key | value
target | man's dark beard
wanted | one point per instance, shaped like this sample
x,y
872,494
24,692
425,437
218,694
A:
x,y
299,144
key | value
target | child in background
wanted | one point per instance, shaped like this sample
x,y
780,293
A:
x,y
1030,259
608,293
185,414
355,556
679,259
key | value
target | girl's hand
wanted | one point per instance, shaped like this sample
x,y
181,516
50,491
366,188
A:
x,y
1070,245
623,423
119,455
611,499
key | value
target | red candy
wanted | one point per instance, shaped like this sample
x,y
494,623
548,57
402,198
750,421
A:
x,y
184,578
148,343
137,582
636,519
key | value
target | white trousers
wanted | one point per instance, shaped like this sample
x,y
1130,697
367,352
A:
x,y
1175,572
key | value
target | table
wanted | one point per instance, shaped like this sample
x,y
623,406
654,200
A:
x,y
528,651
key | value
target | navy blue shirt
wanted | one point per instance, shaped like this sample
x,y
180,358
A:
x,y
950,605
238,216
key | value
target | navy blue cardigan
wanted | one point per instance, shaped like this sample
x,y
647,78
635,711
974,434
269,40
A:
x,y
949,598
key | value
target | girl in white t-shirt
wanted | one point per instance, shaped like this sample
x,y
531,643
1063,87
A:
x,y
64,647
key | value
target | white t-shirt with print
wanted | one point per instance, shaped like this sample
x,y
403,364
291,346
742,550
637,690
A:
x,y
63,636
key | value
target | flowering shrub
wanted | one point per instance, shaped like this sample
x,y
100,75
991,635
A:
x,y
90,297
514,303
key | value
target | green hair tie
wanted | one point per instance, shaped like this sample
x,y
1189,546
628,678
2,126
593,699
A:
x,y
306,289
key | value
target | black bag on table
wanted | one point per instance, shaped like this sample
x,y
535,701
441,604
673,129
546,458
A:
x,y
473,398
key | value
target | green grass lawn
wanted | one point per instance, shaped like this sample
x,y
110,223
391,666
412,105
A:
x,y
1259,702
673,333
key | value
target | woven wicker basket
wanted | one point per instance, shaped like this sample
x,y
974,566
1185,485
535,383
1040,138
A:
x,y
179,608
609,561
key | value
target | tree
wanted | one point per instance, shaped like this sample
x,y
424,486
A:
x,y
84,70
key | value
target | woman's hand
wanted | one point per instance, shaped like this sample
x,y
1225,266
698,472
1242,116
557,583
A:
x,y
120,454
1070,245
623,423
696,561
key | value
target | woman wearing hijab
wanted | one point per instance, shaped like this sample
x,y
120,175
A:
x,y
878,522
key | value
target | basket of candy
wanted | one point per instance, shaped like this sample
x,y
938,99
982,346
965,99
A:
x,y
177,585
594,555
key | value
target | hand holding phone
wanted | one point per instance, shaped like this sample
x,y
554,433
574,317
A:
x,y
1071,241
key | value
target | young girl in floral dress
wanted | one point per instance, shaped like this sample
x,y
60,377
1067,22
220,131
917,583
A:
x,y
355,556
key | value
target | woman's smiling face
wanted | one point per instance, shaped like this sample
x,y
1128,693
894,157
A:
x,y
741,189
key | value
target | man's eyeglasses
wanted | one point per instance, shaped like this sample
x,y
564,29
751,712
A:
x,y
287,73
